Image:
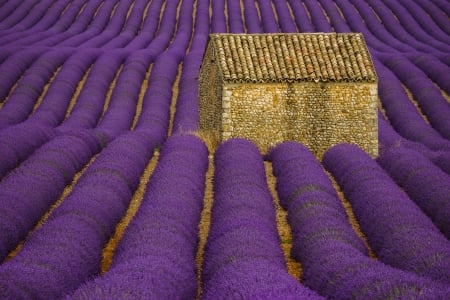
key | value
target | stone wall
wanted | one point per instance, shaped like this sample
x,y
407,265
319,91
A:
x,y
318,115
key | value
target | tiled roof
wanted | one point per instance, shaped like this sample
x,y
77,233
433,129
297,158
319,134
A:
x,y
293,57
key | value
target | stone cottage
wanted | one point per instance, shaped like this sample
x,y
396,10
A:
x,y
316,88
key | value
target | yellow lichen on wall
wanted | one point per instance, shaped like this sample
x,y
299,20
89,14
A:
x,y
318,115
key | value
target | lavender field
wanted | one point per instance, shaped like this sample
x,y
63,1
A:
x,y
108,190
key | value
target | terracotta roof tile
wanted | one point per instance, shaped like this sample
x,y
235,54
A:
x,y
293,57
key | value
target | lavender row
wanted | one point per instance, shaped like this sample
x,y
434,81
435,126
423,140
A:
x,y
400,234
186,113
389,138
362,19
424,182
242,257
436,13
251,17
402,113
403,28
301,16
334,259
410,25
97,24
424,20
28,191
75,21
108,36
269,23
52,109
435,69
18,142
218,19
428,96
22,100
66,250
156,257
304,188
389,31
14,66
285,20
18,14
90,102
235,23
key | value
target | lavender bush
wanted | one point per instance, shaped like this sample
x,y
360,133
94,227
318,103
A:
x,y
424,182
242,257
66,250
334,260
156,257
398,231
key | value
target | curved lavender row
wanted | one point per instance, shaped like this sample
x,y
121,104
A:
x,y
32,35
442,160
334,259
284,16
8,8
14,66
30,189
22,100
400,234
443,5
49,17
155,114
74,22
112,28
18,14
235,22
301,17
403,29
52,110
436,13
166,30
67,250
118,118
389,138
336,20
186,113
435,69
304,188
149,27
182,37
424,182
356,23
218,20
410,25
156,257
96,25
42,20
269,24
33,16
379,30
242,257
425,21
318,18
90,102
251,18
130,28
429,97
18,142
402,114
